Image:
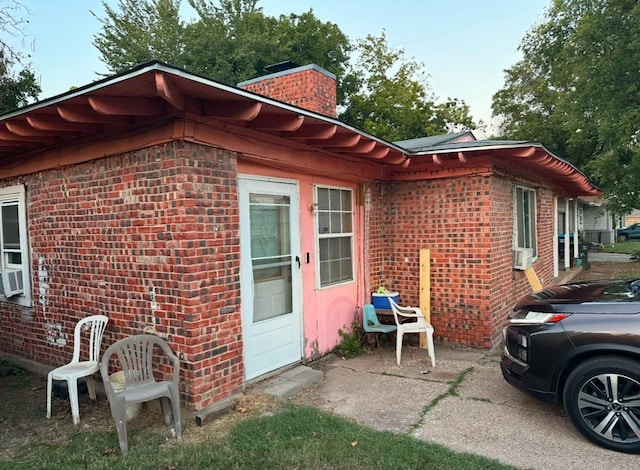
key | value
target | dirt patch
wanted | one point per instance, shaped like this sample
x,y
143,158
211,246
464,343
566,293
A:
x,y
609,270
24,408
23,395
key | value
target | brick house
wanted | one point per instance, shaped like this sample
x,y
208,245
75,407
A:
x,y
246,230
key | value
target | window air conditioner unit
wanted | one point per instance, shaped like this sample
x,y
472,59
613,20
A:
x,y
522,258
11,282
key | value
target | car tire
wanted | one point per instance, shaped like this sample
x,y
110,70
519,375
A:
x,y
599,399
623,238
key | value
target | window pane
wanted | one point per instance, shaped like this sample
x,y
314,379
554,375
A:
x,y
10,227
532,223
346,201
324,273
346,222
336,264
346,268
334,271
334,248
334,203
336,225
269,222
13,257
345,247
323,222
525,218
323,245
323,199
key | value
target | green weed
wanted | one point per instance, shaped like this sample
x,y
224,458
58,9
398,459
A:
x,y
351,344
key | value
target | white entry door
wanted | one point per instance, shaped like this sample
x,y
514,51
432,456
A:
x,y
270,275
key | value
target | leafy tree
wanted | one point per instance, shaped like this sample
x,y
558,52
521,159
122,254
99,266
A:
x,y
140,31
232,40
16,88
577,90
393,100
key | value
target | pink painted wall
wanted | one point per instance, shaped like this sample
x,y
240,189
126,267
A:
x,y
326,310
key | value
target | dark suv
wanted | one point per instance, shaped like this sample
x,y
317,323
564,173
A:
x,y
579,344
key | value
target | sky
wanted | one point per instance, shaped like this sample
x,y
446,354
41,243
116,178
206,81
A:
x,y
464,45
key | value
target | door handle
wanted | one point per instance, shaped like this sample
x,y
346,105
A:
x,y
298,261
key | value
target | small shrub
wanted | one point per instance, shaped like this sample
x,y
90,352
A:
x,y
19,376
351,344
8,369
635,256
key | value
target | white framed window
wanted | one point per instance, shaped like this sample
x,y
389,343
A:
x,y
525,219
334,222
14,252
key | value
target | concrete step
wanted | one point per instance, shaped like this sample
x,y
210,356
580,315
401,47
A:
x,y
289,382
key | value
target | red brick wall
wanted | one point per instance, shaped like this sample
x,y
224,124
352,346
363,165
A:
x,y
305,87
377,217
109,235
467,223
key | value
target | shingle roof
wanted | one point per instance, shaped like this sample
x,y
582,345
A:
x,y
421,143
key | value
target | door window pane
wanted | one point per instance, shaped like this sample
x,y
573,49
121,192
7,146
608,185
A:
x,y
269,219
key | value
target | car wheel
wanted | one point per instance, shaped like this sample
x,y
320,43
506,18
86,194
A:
x,y
602,399
623,238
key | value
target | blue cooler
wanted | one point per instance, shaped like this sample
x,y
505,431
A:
x,y
381,301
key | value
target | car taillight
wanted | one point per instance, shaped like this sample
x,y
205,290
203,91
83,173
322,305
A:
x,y
537,318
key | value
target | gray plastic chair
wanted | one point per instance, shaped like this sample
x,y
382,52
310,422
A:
x,y
135,358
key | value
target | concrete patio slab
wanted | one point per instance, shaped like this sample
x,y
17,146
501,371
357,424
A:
x,y
463,403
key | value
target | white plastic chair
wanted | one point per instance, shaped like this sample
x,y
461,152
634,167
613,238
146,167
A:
x,y
419,325
135,356
78,368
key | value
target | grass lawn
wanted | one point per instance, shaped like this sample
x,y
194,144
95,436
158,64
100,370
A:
x,y
627,247
292,438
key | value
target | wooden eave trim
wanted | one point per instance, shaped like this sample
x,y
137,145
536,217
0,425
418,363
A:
x,y
278,152
168,91
127,106
87,149
93,111
276,122
337,141
421,175
78,113
24,129
313,131
55,123
232,110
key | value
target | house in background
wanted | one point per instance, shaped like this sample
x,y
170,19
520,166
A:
x,y
632,218
247,229
583,223
595,221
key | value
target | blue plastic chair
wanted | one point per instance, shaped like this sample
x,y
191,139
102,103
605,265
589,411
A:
x,y
371,324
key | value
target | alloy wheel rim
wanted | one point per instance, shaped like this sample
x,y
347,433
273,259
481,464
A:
x,y
610,405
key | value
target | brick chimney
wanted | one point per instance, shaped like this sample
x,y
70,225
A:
x,y
309,86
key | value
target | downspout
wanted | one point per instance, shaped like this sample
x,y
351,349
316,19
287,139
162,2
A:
x,y
567,229
556,262
576,253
